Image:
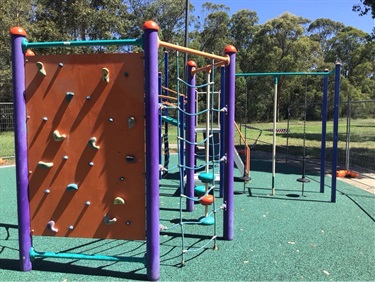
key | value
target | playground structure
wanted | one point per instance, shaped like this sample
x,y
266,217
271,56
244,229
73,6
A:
x,y
336,99
84,167
212,115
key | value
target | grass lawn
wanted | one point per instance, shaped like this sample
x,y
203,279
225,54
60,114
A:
x,y
362,139
6,144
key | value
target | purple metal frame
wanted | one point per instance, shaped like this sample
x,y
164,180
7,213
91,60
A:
x,y
230,71
23,205
190,135
150,46
336,109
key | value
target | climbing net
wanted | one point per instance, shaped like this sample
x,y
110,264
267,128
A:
x,y
204,170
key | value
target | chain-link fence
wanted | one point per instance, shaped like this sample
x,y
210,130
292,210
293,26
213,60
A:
x,y
6,117
7,150
357,139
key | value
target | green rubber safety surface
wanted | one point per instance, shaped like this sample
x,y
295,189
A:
x,y
276,238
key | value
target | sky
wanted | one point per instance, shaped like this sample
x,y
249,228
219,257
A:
x,y
336,10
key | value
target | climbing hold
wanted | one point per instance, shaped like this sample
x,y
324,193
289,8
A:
x,y
119,201
105,75
92,143
87,203
47,191
41,68
207,200
206,177
45,118
207,220
69,96
65,157
130,159
57,136
131,122
200,190
72,187
71,227
107,220
51,226
45,164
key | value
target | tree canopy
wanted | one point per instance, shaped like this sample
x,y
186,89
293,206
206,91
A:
x,y
287,43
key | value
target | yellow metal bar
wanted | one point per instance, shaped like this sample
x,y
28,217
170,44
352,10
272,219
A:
x,y
192,51
172,91
247,168
209,67
168,97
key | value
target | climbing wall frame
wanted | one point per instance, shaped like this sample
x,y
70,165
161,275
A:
x,y
85,131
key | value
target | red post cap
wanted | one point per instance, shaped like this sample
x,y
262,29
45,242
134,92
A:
x,y
150,25
230,49
17,30
191,64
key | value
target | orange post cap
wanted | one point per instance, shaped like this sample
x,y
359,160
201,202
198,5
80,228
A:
x,y
17,30
191,64
150,25
230,49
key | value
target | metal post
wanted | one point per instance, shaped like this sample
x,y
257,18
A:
x,y
336,105
160,123
222,128
347,145
229,143
324,134
151,29
18,34
190,136
274,136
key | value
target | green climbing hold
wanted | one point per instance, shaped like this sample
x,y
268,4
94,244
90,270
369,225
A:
x,y
72,187
207,220
200,190
206,177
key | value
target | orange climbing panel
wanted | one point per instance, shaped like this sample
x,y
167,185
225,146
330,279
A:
x,y
85,130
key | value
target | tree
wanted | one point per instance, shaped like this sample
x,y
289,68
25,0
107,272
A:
x,y
322,30
10,15
280,46
365,7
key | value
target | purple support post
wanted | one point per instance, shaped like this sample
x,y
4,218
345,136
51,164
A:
x,y
18,34
190,135
230,71
150,37
336,105
222,128
160,123
324,134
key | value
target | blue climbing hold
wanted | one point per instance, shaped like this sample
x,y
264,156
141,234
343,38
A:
x,y
69,96
206,177
207,220
200,190
72,187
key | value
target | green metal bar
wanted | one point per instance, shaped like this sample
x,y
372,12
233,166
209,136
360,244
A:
x,y
34,254
27,45
284,73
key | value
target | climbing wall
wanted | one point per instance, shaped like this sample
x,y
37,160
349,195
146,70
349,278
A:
x,y
85,128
